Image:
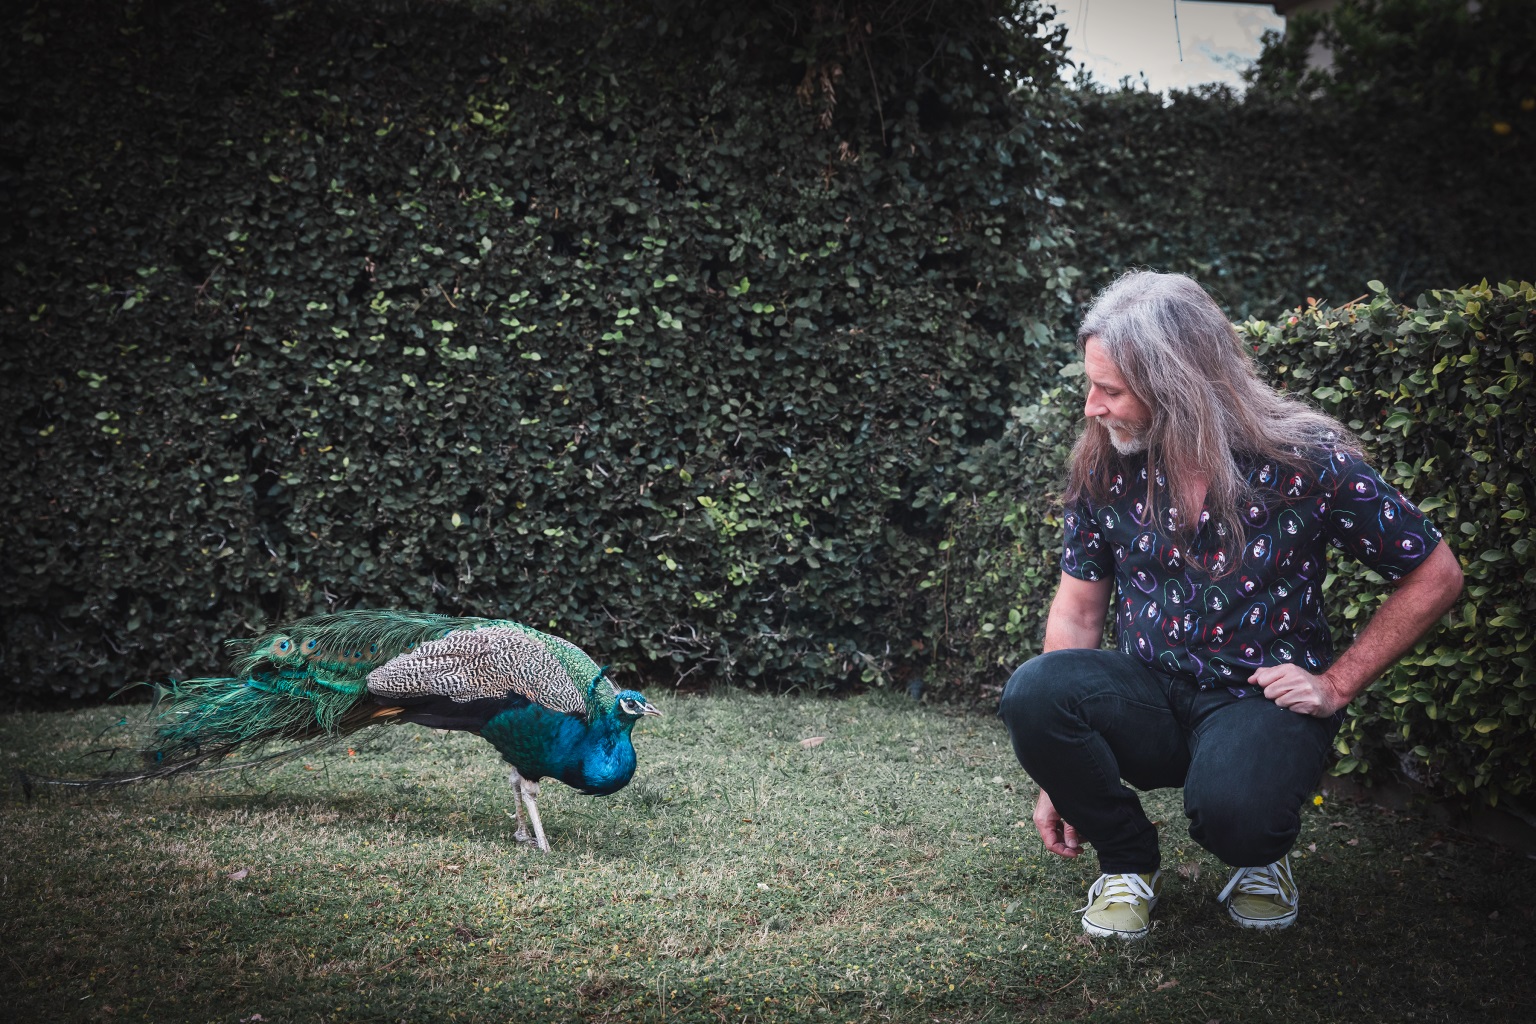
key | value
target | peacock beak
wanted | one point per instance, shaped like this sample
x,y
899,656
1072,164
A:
x,y
649,709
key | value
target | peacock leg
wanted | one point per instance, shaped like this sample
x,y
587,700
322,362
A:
x,y
530,791
521,835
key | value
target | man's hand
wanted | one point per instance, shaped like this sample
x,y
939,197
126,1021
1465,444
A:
x,y
1296,689
1059,837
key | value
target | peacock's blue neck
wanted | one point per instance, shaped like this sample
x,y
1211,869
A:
x,y
594,755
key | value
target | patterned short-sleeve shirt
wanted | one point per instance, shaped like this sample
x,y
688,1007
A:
x,y
1190,615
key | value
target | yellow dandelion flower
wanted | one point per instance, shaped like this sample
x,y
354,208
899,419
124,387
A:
x,y
1317,801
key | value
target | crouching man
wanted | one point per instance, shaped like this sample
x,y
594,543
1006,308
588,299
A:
x,y
1201,502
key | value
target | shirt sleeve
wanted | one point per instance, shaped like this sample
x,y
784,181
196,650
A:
x,y
1373,522
1082,547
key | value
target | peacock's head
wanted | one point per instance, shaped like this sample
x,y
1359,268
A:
x,y
632,705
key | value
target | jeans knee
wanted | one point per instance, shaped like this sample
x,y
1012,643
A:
x,y
1239,829
1034,691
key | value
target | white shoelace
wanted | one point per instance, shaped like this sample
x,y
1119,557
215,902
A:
x,y
1120,889
1270,880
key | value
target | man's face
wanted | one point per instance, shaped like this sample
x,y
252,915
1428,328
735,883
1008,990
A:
x,y
1124,415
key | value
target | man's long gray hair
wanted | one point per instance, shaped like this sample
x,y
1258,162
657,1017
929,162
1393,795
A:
x,y
1182,358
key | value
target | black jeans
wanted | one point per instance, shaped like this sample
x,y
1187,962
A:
x,y
1083,720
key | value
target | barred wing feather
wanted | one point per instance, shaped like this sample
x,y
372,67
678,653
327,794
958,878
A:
x,y
493,661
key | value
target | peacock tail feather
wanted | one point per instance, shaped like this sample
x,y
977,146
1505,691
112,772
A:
x,y
287,704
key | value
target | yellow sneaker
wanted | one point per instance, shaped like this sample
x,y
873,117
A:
x,y
1262,897
1121,905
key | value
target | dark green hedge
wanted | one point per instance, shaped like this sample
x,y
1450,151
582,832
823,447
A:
x,y
663,327
1443,394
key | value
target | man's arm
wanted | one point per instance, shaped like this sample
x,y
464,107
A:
x,y
1422,596
1077,613
1076,620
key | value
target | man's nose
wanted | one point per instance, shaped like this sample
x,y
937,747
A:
x,y
1094,405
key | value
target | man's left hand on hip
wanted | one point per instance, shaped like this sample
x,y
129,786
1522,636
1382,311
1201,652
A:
x,y
1296,689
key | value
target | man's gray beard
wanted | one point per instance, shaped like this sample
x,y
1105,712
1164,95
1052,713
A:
x,y
1137,443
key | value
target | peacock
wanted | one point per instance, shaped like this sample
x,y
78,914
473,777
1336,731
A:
x,y
545,706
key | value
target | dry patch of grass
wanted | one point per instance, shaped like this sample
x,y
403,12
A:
x,y
887,872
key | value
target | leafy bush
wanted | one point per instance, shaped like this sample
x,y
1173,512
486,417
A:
x,y
1002,556
1443,395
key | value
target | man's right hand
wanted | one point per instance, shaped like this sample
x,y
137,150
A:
x,y
1059,837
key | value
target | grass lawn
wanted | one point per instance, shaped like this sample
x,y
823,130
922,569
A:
x,y
886,873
